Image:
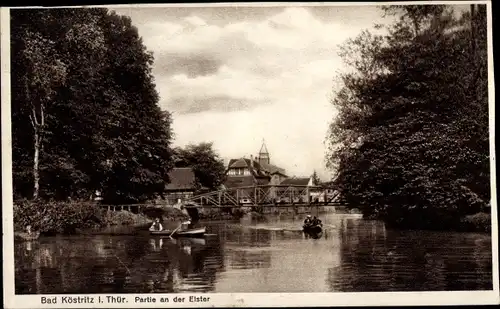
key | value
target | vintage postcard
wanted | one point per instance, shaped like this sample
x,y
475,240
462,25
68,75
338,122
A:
x,y
249,155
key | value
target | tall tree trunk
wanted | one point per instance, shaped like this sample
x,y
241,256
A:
x,y
37,138
36,161
38,127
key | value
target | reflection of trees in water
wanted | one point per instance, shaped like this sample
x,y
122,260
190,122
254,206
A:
x,y
54,265
114,265
373,259
174,265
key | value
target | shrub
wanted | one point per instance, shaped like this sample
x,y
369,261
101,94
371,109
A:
x,y
480,222
123,218
56,217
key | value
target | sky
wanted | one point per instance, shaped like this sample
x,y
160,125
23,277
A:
x,y
236,76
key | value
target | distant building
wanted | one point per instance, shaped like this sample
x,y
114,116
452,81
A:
x,y
182,185
298,193
247,172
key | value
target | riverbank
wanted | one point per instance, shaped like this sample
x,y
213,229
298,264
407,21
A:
x,y
49,217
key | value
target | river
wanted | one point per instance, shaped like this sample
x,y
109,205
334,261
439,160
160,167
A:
x,y
353,255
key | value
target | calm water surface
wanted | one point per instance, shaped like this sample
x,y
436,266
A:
x,y
353,255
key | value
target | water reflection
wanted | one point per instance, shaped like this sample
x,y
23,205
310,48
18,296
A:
x,y
374,259
353,255
115,265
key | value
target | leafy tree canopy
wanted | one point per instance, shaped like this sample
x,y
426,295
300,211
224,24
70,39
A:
x,y
410,143
86,75
207,166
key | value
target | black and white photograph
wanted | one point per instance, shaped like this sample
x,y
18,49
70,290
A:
x,y
172,155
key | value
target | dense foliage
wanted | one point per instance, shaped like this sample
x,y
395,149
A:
x,y
208,167
53,217
410,144
84,108
56,217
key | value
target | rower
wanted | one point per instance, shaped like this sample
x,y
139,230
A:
x,y
156,226
185,225
316,221
308,221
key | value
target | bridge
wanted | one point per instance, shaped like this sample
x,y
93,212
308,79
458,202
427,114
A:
x,y
265,195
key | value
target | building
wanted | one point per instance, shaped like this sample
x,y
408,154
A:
x,y
182,185
253,171
300,193
246,172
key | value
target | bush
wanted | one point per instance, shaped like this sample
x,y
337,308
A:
x,y
123,218
56,217
480,222
166,212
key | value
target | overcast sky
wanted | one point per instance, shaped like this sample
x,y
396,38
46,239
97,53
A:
x,y
235,76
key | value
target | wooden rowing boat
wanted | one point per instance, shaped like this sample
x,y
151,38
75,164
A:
x,y
26,236
312,229
196,232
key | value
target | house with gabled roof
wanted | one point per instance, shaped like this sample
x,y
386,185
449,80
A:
x,y
246,172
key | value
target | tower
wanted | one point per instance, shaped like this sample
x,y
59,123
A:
x,y
264,154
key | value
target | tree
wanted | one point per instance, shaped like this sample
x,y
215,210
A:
x,y
96,122
41,72
404,145
207,166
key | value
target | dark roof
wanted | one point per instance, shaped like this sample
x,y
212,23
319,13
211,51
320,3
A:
x,y
181,178
303,181
272,169
238,163
255,168
239,181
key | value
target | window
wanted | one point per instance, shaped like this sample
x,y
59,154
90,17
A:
x,y
239,171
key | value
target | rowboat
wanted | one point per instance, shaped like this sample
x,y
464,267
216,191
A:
x,y
196,232
26,236
312,230
317,228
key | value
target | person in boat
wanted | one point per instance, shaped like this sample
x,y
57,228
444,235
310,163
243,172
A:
x,y
185,225
156,226
316,221
308,221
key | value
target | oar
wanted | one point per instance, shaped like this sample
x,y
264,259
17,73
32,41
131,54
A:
x,y
175,231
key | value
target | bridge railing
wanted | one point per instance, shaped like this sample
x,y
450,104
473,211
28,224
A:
x,y
263,194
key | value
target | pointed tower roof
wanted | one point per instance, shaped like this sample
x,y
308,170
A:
x,y
263,148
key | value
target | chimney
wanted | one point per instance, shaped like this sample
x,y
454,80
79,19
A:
x,y
251,161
